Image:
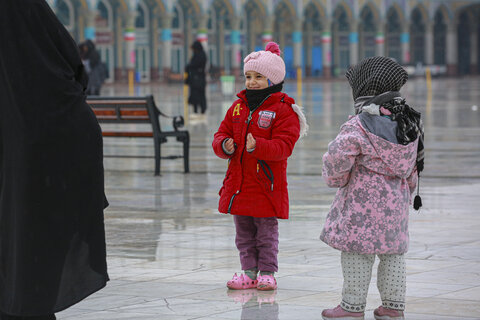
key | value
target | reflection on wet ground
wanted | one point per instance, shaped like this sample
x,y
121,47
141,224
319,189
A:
x,y
171,252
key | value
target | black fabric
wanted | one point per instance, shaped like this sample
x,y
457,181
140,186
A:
x,y
196,78
376,75
256,97
52,238
47,317
409,122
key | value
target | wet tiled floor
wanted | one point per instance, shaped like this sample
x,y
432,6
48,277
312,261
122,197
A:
x,y
170,252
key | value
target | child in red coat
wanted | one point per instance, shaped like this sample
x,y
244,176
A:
x,y
257,136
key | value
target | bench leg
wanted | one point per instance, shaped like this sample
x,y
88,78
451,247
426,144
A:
x,y
157,157
186,148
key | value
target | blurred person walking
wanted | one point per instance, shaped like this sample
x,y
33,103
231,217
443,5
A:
x,y
52,238
96,70
196,78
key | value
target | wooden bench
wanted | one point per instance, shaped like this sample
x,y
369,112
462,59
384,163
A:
x,y
123,110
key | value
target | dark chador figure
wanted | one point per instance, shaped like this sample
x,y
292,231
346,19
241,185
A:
x,y
196,78
52,238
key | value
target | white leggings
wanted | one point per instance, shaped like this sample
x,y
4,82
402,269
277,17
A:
x,y
357,273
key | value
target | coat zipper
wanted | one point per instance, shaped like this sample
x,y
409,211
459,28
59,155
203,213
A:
x,y
245,147
268,174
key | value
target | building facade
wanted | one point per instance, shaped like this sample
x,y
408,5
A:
x,y
322,37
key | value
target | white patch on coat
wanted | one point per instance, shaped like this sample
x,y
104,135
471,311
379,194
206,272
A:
x,y
303,120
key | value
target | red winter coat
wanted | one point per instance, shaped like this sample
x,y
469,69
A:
x,y
256,182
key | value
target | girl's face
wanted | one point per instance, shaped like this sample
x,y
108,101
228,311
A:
x,y
255,80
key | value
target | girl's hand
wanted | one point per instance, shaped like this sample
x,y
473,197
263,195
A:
x,y
251,142
229,145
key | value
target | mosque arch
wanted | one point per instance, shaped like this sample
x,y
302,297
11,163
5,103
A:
x,y
283,28
253,24
104,17
367,30
65,12
186,14
393,33
313,25
341,27
418,21
440,25
464,30
219,27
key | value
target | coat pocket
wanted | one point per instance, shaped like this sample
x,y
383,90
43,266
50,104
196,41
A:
x,y
265,175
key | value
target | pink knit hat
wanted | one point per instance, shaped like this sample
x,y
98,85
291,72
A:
x,y
268,62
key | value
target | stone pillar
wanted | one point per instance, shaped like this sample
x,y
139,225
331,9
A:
x,y
452,50
129,38
474,49
429,44
327,51
119,73
90,14
268,31
353,37
155,67
380,43
308,45
405,44
297,45
202,32
167,46
235,41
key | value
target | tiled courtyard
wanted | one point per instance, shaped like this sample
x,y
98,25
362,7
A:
x,y
170,252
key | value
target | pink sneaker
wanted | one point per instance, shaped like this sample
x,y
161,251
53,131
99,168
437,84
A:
x,y
266,282
382,313
241,282
338,313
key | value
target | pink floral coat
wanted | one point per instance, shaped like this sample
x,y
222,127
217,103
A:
x,y
375,177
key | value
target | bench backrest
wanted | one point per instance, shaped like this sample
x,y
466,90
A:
x,y
126,110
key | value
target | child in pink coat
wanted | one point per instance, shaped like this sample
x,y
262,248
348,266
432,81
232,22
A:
x,y
374,163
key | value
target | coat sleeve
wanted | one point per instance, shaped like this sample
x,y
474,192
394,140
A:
x,y
224,131
285,133
340,156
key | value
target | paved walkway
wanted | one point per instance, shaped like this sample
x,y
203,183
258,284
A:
x,y
170,252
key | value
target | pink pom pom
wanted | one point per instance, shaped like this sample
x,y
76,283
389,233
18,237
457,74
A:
x,y
273,48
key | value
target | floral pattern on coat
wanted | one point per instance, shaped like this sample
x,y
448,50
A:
x,y
375,177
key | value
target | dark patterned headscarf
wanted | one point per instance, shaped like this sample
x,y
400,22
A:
x,y
376,75
377,80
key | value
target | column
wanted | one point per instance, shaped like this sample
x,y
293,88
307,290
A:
x,y
429,44
380,43
327,51
155,68
235,41
129,38
90,14
452,49
353,37
308,45
405,44
297,45
166,35
474,49
268,31
202,32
